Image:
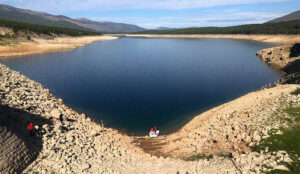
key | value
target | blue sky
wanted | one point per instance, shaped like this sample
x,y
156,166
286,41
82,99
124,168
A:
x,y
167,13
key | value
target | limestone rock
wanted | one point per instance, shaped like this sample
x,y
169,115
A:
x,y
282,167
55,113
94,132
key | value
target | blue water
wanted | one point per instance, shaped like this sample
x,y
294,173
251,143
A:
x,y
135,83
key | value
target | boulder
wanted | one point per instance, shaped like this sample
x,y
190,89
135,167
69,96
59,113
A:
x,y
256,137
281,167
94,132
55,113
83,116
85,166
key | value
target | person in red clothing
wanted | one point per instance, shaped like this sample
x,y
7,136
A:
x,y
156,131
31,129
151,130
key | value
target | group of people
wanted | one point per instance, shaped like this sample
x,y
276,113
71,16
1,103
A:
x,y
154,132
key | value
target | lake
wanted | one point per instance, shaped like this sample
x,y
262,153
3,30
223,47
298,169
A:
x,y
133,84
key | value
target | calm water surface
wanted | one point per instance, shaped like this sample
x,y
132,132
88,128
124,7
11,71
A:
x,y
135,83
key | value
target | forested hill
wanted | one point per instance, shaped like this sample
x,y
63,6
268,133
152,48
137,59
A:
x,y
290,27
40,18
27,28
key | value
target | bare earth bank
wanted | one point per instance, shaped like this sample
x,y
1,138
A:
x,y
262,38
38,45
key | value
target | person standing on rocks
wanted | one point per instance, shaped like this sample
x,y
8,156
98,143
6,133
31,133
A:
x,y
31,129
156,131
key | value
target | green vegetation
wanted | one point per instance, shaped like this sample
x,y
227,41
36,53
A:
x,y
199,156
295,112
228,155
290,27
28,37
208,157
288,141
296,92
9,40
41,29
7,36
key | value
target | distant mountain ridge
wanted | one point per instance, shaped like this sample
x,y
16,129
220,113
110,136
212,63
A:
x,y
165,28
289,17
111,27
41,18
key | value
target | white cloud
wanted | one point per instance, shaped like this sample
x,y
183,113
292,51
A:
x,y
60,6
228,19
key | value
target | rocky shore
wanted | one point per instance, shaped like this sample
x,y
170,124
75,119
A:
x,y
236,126
286,58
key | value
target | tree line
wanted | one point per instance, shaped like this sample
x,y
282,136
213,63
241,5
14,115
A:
x,y
28,28
287,28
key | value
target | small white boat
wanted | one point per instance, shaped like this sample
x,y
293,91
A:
x,y
154,134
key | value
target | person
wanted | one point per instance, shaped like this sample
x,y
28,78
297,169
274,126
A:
x,y
31,129
152,133
156,130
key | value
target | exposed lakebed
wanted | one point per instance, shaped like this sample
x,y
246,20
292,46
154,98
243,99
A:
x,y
135,83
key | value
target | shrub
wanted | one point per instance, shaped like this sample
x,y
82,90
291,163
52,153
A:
x,y
28,37
296,92
199,156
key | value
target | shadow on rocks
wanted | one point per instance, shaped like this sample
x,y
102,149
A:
x,y
17,148
293,73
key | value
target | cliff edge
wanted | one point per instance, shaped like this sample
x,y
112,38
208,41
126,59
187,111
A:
x,y
286,58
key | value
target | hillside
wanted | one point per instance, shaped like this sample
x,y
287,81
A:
x,y
40,18
290,27
289,17
28,16
109,27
